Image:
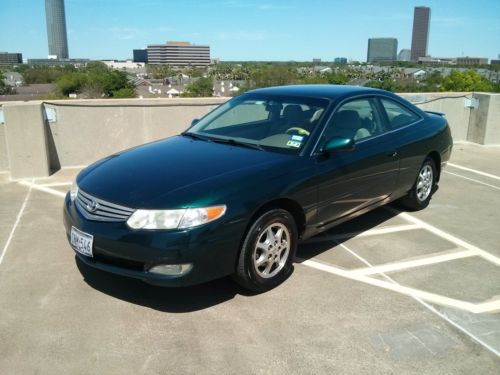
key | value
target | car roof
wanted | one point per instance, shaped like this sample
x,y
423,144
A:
x,y
322,91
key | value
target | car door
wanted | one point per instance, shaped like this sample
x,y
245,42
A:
x,y
349,181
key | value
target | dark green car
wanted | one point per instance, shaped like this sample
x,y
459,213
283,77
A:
x,y
234,193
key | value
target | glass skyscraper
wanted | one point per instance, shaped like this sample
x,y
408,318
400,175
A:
x,y
56,28
382,50
420,34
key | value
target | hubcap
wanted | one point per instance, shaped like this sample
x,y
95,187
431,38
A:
x,y
271,250
424,183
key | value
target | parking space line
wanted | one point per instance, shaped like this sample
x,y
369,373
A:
x,y
16,223
473,180
370,232
399,266
395,287
449,237
43,188
474,171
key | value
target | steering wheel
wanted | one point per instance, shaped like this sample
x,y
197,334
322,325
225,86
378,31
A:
x,y
297,130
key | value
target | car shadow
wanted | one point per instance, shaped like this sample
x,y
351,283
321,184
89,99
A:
x,y
199,297
173,300
321,243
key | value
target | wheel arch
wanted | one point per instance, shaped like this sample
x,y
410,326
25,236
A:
x,y
434,155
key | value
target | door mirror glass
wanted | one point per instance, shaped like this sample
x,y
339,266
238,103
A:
x,y
339,144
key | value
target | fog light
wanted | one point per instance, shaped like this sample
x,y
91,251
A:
x,y
171,269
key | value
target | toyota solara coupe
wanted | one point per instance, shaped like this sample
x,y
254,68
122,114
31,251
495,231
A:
x,y
234,193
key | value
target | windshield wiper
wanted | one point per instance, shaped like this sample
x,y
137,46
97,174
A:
x,y
195,136
234,142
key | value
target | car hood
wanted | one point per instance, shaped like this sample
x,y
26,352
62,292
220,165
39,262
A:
x,y
141,176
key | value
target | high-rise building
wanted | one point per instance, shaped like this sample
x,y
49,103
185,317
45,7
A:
x,y
340,60
179,54
140,55
382,49
56,29
7,58
404,55
420,34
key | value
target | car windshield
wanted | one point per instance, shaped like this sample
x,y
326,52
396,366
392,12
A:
x,y
269,122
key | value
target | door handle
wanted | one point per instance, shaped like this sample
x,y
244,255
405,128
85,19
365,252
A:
x,y
393,154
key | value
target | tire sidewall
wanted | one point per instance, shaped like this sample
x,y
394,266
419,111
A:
x,y
255,231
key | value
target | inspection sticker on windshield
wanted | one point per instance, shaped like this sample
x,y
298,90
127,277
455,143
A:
x,y
297,138
294,144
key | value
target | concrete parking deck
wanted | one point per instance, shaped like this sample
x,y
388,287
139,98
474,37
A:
x,y
390,292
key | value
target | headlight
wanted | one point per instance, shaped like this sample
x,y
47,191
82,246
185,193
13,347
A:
x,y
74,191
175,219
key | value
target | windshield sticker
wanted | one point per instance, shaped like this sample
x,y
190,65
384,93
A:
x,y
294,144
297,138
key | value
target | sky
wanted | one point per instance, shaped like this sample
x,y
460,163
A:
x,y
242,30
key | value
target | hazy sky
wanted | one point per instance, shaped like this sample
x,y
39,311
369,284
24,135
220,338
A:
x,y
253,29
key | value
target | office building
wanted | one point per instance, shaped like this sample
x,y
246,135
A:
x,y
420,34
58,62
404,55
141,55
56,29
179,54
7,58
382,50
472,60
340,60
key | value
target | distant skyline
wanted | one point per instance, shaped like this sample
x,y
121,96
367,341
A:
x,y
252,29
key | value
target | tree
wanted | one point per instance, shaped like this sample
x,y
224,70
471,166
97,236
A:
x,y
466,81
6,89
202,87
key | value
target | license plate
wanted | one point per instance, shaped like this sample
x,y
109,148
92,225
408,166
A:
x,y
82,242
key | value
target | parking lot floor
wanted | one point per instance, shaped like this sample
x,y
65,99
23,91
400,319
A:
x,y
389,292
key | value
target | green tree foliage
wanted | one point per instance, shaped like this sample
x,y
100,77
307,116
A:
x,y
465,81
44,74
96,81
202,87
6,89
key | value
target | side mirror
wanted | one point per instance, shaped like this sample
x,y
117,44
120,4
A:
x,y
339,144
195,121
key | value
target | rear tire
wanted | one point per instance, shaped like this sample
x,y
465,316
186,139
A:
x,y
266,256
420,194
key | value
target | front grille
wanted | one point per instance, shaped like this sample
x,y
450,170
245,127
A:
x,y
118,262
93,208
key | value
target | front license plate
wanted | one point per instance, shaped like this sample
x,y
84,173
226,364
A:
x,y
82,242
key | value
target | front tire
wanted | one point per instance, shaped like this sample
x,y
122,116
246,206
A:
x,y
420,194
266,256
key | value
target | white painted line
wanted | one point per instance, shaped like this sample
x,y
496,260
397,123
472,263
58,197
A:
x,y
434,310
431,297
56,184
415,294
449,237
43,188
474,180
370,232
474,171
399,266
16,223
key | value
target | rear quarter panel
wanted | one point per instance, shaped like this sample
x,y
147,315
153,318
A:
x,y
417,141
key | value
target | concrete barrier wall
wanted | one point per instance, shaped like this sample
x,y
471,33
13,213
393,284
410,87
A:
x,y
88,130
453,106
4,159
85,130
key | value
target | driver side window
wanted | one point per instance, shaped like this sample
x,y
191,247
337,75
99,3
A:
x,y
357,119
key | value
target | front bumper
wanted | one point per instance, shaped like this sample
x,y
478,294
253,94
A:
x,y
212,249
